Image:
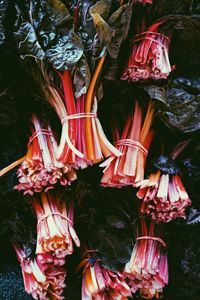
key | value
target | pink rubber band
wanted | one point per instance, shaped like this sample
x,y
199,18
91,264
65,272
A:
x,y
54,214
151,33
155,238
79,116
37,133
150,39
132,143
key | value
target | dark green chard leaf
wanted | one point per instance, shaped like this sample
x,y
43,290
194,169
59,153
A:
x,y
44,30
191,171
173,6
179,104
57,12
65,51
3,8
99,13
166,165
111,31
81,77
193,216
120,23
105,223
27,41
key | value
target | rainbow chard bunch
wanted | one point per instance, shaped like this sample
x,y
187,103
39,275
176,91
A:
x,y
55,230
82,141
42,281
163,194
134,144
147,269
149,58
41,170
101,283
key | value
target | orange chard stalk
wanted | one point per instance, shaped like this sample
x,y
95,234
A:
x,y
88,104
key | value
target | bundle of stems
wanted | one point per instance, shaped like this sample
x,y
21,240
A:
x,y
42,281
163,194
148,267
82,141
55,231
134,144
149,58
99,283
40,170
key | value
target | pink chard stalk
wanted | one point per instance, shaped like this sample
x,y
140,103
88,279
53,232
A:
x,y
163,195
55,231
82,141
42,281
134,144
149,57
147,269
99,283
41,170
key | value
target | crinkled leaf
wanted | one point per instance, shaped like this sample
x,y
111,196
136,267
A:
x,y
156,92
111,31
66,51
3,8
57,11
120,23
27,41
99,13
101,8
81,77
193,216
44,30
112,244
181,110
191,169
166,165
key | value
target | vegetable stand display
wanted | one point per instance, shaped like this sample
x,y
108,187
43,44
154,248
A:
x,y
99,160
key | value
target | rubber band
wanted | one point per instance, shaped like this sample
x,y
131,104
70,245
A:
x,y
150,39
132,143
37,133
151,33
154,238
79,116
54,214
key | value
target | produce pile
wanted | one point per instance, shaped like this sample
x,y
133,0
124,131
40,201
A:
x,y
99,153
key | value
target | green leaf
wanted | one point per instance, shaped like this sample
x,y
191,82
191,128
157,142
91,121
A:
x,y
3,9
120,23
27,41
44,30
99,12
66,51
111,31
180,109
58,12
81,77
